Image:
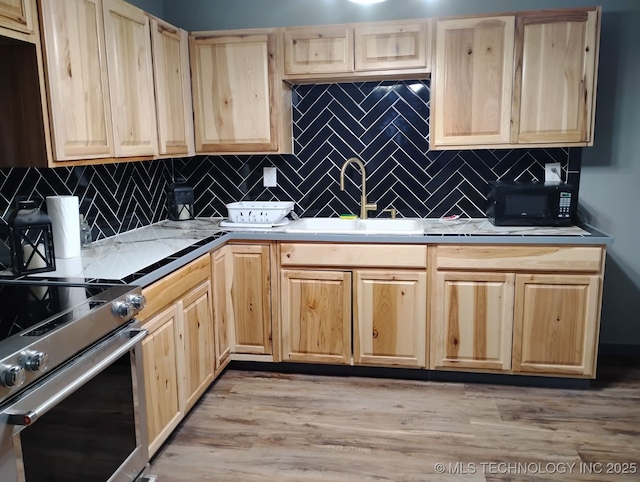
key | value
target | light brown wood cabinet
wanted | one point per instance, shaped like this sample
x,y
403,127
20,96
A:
x,y
547,296
556,68
357,52
378,292
527,80
472,322
179,359
17,15
172,76
318,50
240,105
556,324
472,89
81,122
161,366
243,299
316,316
221,306
130,72
393,45
197,342
390,318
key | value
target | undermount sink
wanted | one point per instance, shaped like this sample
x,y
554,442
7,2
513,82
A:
x,y
357,226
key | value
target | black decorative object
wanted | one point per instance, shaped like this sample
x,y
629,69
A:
x,y
31,240
180,201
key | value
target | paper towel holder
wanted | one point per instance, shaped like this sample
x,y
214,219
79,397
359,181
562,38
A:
x,y
31,236
180,200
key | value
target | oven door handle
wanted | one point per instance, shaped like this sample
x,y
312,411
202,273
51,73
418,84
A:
x,y
108,355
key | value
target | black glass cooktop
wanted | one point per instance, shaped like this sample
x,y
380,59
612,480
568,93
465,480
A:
x,y
29,304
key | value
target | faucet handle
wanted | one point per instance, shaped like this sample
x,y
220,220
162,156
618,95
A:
x,y
369,207
392,211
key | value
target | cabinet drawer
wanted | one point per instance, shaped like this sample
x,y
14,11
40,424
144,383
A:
x,y
365,255
520,258
169,288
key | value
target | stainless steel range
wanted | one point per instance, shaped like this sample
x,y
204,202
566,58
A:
x,y
72,403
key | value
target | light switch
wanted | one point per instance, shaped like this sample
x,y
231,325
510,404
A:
x,y
269,177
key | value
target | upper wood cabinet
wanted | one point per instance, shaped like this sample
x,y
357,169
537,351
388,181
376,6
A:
x,y
170,46
472,89
393,45
554,97
127,35
76,63
556,324
527,80
360,51
239,103
17,15
318,50
390,317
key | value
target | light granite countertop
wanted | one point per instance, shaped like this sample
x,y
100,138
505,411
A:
x,y
144,255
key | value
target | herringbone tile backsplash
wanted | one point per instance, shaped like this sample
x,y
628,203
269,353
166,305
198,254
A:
x,y
383,123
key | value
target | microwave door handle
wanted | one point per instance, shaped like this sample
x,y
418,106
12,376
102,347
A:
x,y
29,417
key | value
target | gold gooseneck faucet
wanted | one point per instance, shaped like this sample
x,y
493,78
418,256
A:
x,y
364,206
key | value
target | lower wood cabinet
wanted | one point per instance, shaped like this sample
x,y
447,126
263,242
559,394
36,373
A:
x,y
472,321
178,353
537,313
390,317
383,312
161,365
556,324
242,299
316,316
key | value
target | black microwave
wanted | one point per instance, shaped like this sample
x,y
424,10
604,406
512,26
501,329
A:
x,y
531,204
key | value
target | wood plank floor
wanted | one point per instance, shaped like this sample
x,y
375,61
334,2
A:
x,y
254,426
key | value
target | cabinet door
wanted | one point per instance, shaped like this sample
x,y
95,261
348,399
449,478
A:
x,y
392,45
197,343
316,316
318,50
173,88
249,290
221,305
556,324
162,386
77,79
390,318
473,319
555,81
133,106
17,15
234,93
473,81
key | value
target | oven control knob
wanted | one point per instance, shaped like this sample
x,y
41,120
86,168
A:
x,y
37,361
12,376
137,301
122,309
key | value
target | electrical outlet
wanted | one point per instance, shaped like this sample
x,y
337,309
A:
x,y
269,177
552,172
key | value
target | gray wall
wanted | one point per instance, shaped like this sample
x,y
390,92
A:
x,y
155,7
610,184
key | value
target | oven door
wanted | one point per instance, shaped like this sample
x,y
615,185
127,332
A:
x,y
85,421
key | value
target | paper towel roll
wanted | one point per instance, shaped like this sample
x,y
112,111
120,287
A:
x,y
65,221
